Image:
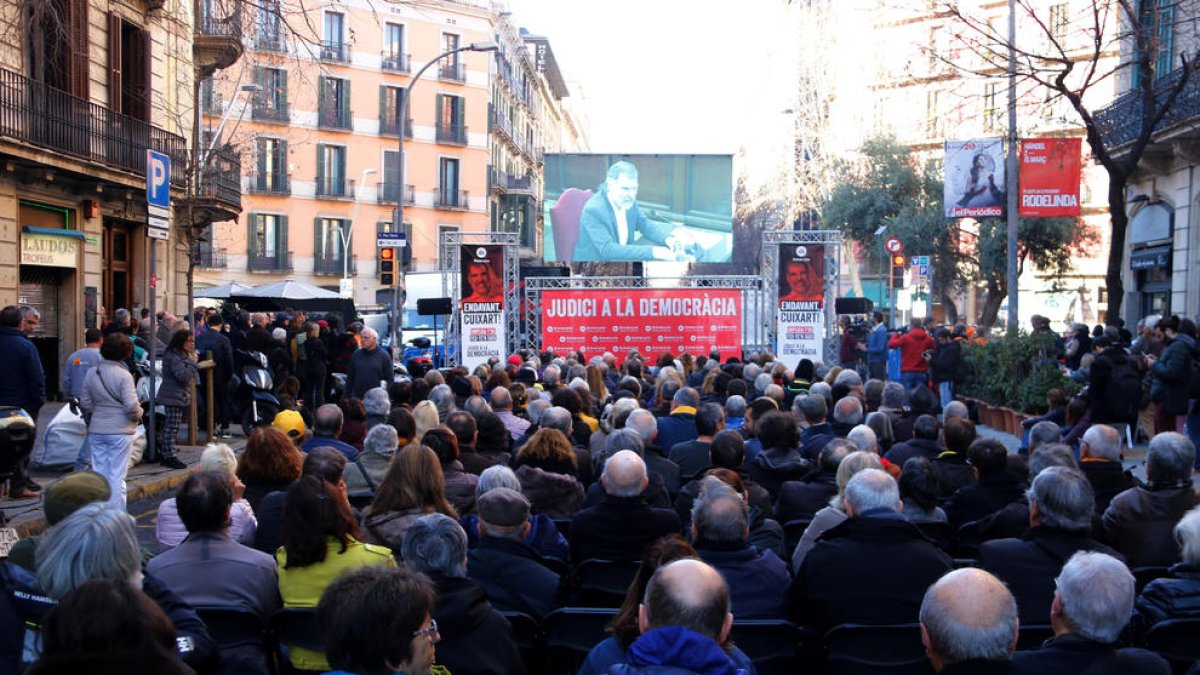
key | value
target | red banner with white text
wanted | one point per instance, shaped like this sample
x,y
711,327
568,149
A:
x,y
651,321
1050,173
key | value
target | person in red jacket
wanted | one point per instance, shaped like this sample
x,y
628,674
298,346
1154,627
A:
x,y
914,363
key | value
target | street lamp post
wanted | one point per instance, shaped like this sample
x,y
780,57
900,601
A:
x,y
398,225
203,158
344,233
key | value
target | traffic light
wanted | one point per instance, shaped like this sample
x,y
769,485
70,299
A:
x,y
388,276
898,270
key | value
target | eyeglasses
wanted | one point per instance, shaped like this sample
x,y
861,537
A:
x,y
430,631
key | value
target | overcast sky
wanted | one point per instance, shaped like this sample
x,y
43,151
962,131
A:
x,y
687,76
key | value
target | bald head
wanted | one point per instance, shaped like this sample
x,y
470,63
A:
x,y
687,593
968,614
624,475
956,409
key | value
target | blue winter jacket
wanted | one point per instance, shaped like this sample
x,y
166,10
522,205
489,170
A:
x,y
24,381
676,650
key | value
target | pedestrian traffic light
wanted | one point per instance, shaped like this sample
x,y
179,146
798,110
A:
x,y
897,270
387,268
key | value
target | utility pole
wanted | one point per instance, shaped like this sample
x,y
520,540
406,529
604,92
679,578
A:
x,y
1011,181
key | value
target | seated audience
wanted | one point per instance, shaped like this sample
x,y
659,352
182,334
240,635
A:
x,y
969,624
829,588
209,568
780,459
1060,520
1177,596
401,419
108,626
502,407
1093,600
847,414
367,471
691,456
995,487
376,406
476,639
627,439
1100,461
684,622
169,529
834,514
679,426
327,431
801,499
354,422
670,474
379,620
721,534
623,524
758,408
951,466
919,492
413,487
62,498
543,535
514,575
270,463
546,466
320,541
728,452
881,424
425,417
459,485
924,442
1140,521
492,440
326,463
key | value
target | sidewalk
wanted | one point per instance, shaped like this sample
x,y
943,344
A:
x,y
145,480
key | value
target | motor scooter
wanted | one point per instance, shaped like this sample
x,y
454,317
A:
x,y
17,432
255,391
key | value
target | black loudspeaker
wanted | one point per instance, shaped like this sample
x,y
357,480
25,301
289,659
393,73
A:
x,y
853,306
433,306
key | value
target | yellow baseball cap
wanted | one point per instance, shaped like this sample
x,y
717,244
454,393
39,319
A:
x,y
291,423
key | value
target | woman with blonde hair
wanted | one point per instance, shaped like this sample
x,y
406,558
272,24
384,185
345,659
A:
x,y
834,514
545,465
595,381
169,529
425,414
413,487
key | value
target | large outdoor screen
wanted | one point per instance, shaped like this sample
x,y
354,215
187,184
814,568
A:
x,y
628,208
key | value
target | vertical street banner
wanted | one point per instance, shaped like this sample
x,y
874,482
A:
x,y
481,310
975,183
1050,177
801,318
650,321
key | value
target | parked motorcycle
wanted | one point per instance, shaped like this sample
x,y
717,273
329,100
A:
x,y
255,391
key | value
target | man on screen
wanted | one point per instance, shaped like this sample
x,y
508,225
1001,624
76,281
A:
x,y
484,285
803,283
613,228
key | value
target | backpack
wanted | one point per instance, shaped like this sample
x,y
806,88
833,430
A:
x,y
1124,392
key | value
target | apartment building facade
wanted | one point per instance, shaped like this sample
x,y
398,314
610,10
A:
x,y
1161,258
927,86
86,87
321,141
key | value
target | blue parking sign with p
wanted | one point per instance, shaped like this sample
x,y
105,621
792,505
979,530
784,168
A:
x,y
158,179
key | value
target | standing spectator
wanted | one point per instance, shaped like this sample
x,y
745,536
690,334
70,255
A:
x,y
877,348
946,365
969,624
112,404
848,346
1140,521
1093,600
213,342
175,394
913,345
1172,372
24,386
79,364
314,369
1078,346
368,367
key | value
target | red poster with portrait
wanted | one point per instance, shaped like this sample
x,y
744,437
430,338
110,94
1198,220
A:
x,y
651,321
1050,177
800,321
481,310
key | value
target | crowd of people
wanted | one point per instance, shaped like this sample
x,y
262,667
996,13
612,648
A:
x,y
410,517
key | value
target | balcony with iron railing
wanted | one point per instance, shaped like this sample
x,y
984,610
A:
x,y
500,123
452,72
34,113
210,258
455,200
389,193
390,126
334,265
330,116
1122,121
275,113
396,63
270,41
257,261
452,134
217,196
269,183
336,52
217,39
335,188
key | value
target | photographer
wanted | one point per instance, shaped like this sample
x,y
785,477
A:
x,y
851,345
914,367
877,348
946,365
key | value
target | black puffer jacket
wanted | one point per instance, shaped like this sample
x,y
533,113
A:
x,y
1163,599
476,639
